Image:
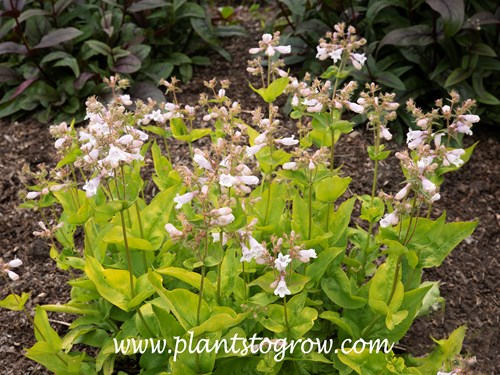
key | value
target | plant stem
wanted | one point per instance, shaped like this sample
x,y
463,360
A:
x,y
286,315
310,206
202,282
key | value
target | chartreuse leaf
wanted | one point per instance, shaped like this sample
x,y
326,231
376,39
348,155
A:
x,y
229,271
387,291
182,303
155,215
222,318
14,302
339,290
329,189
371,212
44,332
444,353
269,209
300,319
378,153
191,278
368,362
275,89
113,285
115,236
57,361
315,270
339,223
349,327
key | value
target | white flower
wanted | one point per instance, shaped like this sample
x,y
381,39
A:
x,y
173,231
182,199
453,157
471,118
321,53
385,133
116,155
221,211
355,107
256,247
435,197
290,166
125,139
463,127
261,138
424,162
403,192
227,180
446,109
60,142
336,55
251,151
203,162
12,264
288,141
248,180
295,100
282,262
216,238
428,185
316,108
91,186
414,138
283,49
125,99
247,255
282,290
225,219
254,51
33,194
389,219
306,255
358,60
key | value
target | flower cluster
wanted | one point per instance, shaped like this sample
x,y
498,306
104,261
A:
x,y
341,43
430,151
6,268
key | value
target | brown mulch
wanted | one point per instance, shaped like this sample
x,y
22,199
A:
x,y
469,277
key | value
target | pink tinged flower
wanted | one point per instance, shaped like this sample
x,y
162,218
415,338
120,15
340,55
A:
x,y
446,110
221,211
358,60
225,219
115,156
282,262
172,231
306,255
403,192
283,49
422,123
254,51
57,187
424,162
247,255
437,139
126,139
91,186
414,138
216,238
221,93
435,197
453,157
203,162
462,127
261,138
336,55
15,263
288,141
290,166
248,180
282,73
389,219
428,185
321,53
267,38
471,118
295,100
282,290
251,151
59,143
33,194
183,199
311,165
316,108
385,133
227,180
355,107
270,51
125,99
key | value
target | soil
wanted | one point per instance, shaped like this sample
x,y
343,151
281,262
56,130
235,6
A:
x,y
468,277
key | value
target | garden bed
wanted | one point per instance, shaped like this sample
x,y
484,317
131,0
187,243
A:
x,y
469,277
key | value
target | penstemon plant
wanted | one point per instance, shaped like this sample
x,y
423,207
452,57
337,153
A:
x,y
242,257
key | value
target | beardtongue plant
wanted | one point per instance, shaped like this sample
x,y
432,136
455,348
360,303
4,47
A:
x,y
250,234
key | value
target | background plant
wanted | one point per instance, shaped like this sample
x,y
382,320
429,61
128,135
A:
x,y
229,246
53,53
419,49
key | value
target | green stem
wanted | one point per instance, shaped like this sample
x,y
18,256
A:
x,y
219,267
127,252
310,206
286,315
202,282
